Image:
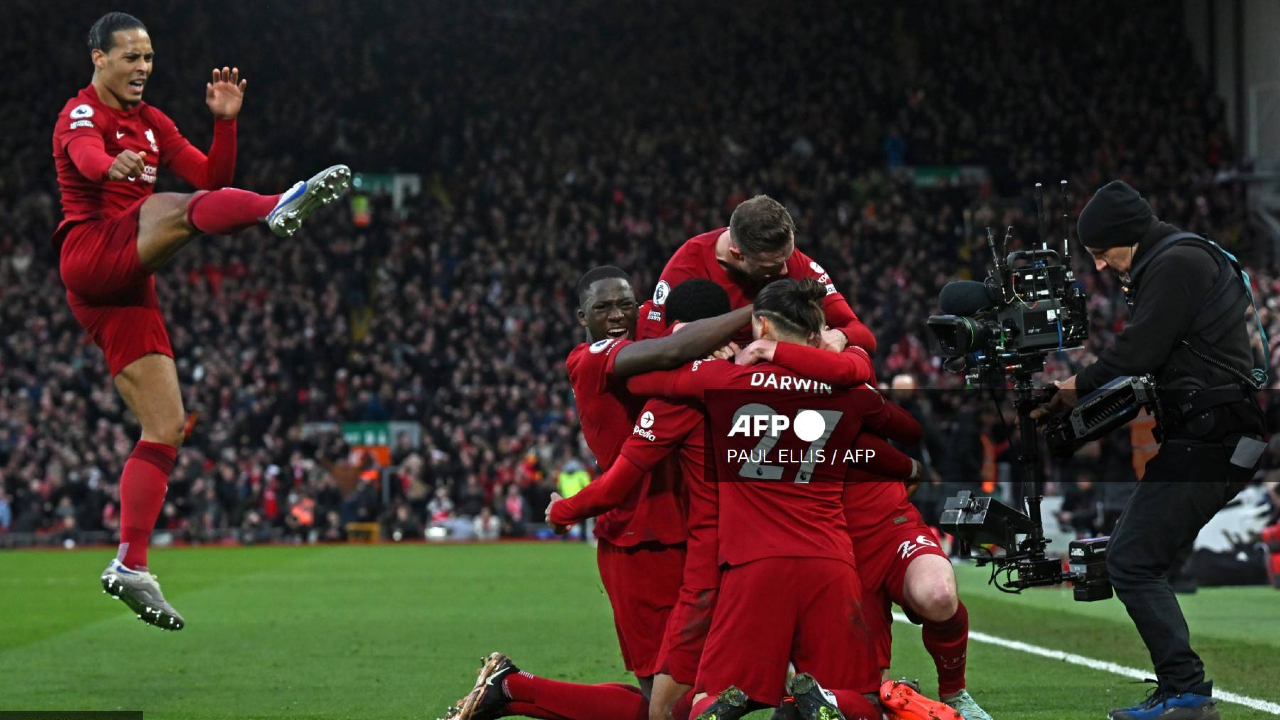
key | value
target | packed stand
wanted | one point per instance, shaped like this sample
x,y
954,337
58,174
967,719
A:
x,y
551,138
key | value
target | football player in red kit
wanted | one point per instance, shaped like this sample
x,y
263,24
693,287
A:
x,y
670,426
787,531
641,542
665,428
757,248
899,560
108,147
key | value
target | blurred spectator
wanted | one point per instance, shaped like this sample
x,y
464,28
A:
x,y
513,512
403,525
487,527
6,512
440,509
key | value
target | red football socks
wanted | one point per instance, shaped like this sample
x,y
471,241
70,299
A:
x,y
522,709
683,709
855,705
948,643
702,706
575,702
226,211
142,487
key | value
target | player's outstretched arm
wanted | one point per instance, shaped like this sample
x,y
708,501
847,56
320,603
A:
x,y
844,369
695,340
599,496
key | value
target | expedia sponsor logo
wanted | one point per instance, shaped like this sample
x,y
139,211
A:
x,y
642,428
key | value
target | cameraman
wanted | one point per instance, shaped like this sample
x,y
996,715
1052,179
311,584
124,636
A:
x,y
1187,328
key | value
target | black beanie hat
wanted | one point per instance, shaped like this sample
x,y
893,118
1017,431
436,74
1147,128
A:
x,y
1116,216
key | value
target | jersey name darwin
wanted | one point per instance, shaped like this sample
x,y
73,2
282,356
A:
x,y
771,381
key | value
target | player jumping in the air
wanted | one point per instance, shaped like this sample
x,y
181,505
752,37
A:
x,y
108,146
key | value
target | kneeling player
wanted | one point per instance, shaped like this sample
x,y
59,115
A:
x,y
790,591
898,559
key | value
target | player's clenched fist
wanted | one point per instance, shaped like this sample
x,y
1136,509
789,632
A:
x,y
127,166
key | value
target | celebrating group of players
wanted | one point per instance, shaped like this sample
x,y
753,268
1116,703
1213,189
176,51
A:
x,y
723,569
721,572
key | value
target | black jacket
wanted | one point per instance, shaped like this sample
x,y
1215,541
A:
x,y
1168,298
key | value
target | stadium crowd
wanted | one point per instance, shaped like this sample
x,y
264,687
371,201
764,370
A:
x,y
550,138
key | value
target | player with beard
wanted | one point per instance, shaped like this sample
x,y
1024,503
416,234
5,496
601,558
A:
x,y
757,248
116,232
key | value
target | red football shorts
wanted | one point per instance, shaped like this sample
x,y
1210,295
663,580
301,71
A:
x,y
110,292
771,611
687,628
883,558
643,583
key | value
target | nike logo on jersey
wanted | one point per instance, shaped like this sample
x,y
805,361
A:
x,y
119,134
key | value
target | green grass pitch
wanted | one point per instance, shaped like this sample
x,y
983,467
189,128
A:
x,y
396,631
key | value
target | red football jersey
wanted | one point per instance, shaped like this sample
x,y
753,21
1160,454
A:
x,y
607,412
141,129
666,426
794,509
697,259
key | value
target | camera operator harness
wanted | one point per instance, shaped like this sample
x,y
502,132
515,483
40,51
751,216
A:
x,y
1119,401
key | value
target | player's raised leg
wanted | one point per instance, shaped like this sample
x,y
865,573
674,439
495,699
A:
x,y
149,386
168,221
929,588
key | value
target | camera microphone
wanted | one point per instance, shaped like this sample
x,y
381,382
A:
x,y
967,297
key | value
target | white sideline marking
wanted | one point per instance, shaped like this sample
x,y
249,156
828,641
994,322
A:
x,y
1253,703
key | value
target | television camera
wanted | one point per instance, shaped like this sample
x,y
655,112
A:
x,y
1028,307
